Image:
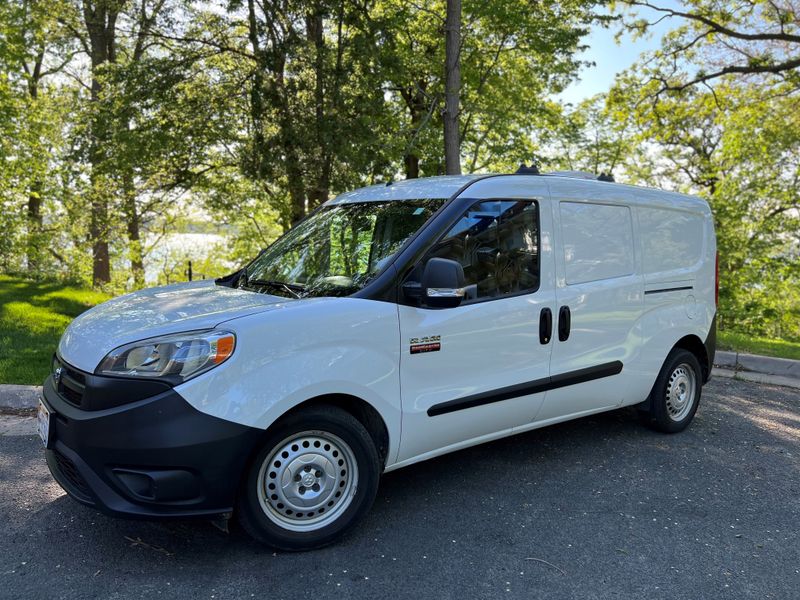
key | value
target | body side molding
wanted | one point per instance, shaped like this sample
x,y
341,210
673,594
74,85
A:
x,y
672,289
530,387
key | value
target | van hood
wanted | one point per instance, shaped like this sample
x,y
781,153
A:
x,y
153,312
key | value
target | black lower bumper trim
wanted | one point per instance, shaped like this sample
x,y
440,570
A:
x,y
69,477
154,458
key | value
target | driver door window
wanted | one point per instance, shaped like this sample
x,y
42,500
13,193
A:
x,y
497,243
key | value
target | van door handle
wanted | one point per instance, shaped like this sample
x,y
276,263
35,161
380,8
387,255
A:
x,y
563,323
545,325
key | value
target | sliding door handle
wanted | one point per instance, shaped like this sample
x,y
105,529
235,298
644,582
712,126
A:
x,y
564,319
545,325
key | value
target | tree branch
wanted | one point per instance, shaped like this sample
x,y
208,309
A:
x,y
718,27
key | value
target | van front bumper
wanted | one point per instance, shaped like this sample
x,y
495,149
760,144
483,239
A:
x,y
157,457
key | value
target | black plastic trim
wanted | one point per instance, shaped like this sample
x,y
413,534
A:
x,y
564,323
191,461
530,387
100,392
545,325
711,347
673,289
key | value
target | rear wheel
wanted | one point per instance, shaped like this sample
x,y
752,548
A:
x,y
675,396
313,480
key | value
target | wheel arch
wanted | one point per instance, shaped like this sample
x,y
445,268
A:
x,y
691,343
359,408
695,345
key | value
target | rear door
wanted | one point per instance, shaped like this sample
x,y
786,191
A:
x,y
466,372
599,292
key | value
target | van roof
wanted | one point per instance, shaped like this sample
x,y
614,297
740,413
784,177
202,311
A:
x,y
445,186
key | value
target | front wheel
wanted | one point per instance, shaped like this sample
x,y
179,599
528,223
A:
x,y
313,480
675,396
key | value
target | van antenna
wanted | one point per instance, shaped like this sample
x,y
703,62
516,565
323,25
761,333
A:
x,y
605,177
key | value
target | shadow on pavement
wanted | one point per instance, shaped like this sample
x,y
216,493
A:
x,y
597,504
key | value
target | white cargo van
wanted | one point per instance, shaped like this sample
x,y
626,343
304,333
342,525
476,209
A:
x,y
396,323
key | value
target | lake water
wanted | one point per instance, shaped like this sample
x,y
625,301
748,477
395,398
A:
x,y
169,259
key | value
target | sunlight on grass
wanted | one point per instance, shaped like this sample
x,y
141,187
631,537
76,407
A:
x,y
739,342
33,315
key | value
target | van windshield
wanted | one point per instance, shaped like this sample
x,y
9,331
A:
x,y
337,250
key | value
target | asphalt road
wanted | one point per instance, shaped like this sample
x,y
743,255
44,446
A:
x,y
596,508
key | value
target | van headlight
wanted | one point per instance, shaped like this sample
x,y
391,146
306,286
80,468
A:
x,y
175,358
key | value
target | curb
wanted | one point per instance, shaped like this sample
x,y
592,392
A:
x,y
763,378
19,398
754,363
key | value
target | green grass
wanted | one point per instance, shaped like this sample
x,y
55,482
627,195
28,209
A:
x,y
33,315
739,342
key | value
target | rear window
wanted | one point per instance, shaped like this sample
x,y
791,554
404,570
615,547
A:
x,y
598,241
671,239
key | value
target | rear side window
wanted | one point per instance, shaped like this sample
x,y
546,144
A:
x,y
671,239
497,243
597,241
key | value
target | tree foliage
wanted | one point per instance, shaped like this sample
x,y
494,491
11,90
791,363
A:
x,y
713,112
124,121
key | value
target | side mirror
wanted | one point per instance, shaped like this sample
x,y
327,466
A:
x,y
442,283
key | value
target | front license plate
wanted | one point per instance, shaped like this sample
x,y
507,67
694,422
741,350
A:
x,y
43,425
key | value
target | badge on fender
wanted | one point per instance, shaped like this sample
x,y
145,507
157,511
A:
x,y
431,343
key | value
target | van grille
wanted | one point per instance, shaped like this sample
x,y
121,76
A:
x,y
71,385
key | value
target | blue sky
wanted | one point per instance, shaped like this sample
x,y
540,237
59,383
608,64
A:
x,y
611,58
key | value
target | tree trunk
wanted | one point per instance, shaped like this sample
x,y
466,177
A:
x,y
135,253
294,174
452,81
98,233
320,190
274,89
256,93
415,102
100,19
34,241
411,162
33,249
289,142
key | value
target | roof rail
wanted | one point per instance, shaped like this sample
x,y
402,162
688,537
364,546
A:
x,y
523,170
582,175
534,170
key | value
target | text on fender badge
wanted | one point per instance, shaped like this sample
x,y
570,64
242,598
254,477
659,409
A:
x,y
430,343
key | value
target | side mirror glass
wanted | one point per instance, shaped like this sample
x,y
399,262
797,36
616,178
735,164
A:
x,y
442,283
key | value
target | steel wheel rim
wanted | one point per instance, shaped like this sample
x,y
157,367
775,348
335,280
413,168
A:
x,y
307,481
680,392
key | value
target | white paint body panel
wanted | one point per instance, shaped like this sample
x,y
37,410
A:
x,y
596,278
154,312
301,350
485,346
289,351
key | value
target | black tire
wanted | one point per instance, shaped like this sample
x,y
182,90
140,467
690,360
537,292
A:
x,y
662,414
259,520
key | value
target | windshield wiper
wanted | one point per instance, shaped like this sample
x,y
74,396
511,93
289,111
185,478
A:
x,y
295,289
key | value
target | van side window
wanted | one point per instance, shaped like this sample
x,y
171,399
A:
x,y
598,241
497,243
674,240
